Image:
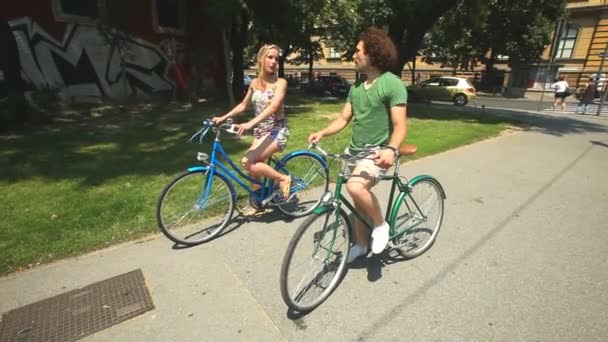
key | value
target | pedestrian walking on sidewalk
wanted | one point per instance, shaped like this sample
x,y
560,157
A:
x,y
562,91
587,96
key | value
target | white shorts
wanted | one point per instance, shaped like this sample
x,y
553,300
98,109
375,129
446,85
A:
x,y
365,168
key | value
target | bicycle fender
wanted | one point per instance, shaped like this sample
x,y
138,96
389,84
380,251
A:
x,y
417,179
197,168
305,152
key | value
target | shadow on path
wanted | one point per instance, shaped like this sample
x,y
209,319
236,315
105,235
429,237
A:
x,y
394,312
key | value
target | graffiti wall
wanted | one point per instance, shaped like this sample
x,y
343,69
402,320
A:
x,y
83,64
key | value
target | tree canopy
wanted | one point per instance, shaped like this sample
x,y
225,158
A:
x,y
457,33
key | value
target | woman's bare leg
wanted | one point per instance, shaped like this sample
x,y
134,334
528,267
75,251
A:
x,y
254,160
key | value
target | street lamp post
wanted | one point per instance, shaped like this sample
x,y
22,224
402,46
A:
x,y
554,47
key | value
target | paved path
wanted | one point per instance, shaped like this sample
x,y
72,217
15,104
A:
x,y
522,256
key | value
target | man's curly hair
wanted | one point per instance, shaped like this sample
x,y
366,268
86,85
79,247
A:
x,y
380,48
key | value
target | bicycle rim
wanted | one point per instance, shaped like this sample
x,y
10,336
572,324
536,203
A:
x,y
315,260
420,214
189,214
305,171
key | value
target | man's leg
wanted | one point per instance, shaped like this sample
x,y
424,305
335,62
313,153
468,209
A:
x,y
367,204
359,186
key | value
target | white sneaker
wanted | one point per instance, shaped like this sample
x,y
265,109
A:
x,y
355,252
380,238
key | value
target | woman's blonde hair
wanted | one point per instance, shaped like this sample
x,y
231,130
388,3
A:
x,y
262,54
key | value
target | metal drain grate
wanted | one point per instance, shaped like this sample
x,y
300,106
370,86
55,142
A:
x,y
79,313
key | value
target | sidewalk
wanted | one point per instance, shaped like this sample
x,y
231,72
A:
x,y
521,256
528,96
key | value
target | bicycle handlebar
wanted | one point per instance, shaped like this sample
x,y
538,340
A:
x,y
208,124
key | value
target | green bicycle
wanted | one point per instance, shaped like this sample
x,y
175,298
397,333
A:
x,y
315,260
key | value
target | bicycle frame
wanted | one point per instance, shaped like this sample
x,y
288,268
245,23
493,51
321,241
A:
x,y
391,210
232,171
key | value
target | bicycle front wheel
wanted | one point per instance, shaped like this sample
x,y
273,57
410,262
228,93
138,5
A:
x,y
189,212
315,260
420,215
306,170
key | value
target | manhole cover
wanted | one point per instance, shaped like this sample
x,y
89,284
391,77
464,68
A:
x,y
79,313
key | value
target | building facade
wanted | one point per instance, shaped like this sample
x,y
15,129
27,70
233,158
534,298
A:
x,y
144,47
577,51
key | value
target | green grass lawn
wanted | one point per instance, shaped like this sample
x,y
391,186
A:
x,y
93,177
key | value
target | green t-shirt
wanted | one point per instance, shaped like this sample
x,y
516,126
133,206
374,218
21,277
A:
x,y
372,124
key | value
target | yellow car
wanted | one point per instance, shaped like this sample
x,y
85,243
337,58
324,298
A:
x,y
456,89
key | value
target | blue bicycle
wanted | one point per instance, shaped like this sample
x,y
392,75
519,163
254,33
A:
x,y
198,204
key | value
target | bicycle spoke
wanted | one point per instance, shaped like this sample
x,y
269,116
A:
x,y
305,170
419,225
315,260
187,223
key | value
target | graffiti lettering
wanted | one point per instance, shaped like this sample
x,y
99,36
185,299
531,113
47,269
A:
x,y
83,63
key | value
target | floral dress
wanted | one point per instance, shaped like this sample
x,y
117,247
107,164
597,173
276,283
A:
x,y
274,126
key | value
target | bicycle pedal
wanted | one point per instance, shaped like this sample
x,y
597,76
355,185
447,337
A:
x,y
266,200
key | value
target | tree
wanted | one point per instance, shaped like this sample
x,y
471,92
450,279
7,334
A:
x,y
406,21
229,19
452,41
324,21
520,29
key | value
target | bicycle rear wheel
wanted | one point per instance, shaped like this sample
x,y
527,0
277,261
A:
x,y
420,214
306,170
315,260
189,212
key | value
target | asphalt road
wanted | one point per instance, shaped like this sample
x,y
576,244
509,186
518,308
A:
x,y
523,104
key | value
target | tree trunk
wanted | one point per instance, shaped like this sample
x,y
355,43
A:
x,y
413,71
9,58
239,37
487,83
408,34
228,66
282,58
311,63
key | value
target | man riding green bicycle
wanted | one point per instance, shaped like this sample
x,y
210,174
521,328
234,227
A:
x,y
377,107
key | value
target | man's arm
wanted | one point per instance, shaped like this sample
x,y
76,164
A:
x,y
335,126
387,157
399,118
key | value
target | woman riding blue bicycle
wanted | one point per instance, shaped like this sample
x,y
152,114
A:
x,y
267,94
